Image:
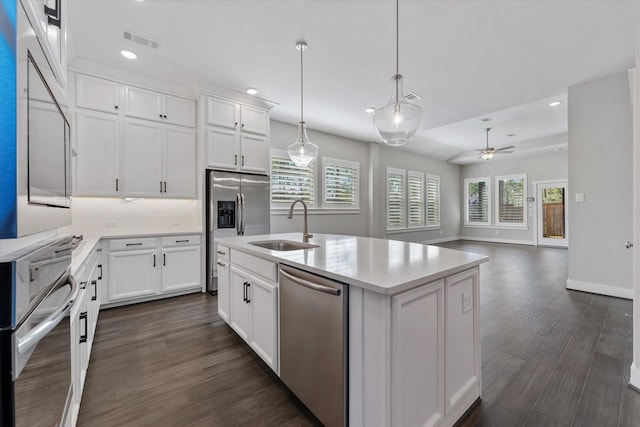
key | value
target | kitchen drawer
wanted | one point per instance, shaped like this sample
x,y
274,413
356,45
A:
x,y
132,244
192,239
223,252
264,268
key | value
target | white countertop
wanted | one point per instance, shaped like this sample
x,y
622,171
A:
x,y
384,266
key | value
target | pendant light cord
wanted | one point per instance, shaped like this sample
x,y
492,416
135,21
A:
x,y
397,46
301,87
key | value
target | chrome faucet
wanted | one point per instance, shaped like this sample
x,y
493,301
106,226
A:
x,y
305,230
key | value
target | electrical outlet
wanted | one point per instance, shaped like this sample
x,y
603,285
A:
x,y
467,301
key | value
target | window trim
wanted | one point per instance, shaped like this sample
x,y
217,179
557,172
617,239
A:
x,y
467,223
401,172
274,152
436,225
423,209
525,215
326,161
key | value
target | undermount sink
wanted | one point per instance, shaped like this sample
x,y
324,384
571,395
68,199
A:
x,y
283,245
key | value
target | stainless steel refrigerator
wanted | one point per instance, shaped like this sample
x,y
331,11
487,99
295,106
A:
x,y
237,205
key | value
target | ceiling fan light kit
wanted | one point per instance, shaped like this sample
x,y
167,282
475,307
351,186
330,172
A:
x,y
397,121
487,153
302,152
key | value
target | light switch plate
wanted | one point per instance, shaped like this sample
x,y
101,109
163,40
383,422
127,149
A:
x,y
467,301
579,197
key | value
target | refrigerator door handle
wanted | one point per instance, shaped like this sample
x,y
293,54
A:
x,y
242,212
239,214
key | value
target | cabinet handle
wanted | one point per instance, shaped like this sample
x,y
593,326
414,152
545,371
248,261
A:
x,y
243,125
83,337
235,159
221,264
115,107
53,15
165,186
244,291
222,253
184,241
235,125
100,274
165,116
154,260
243,160
164,259
248,300
161,186
94,297
160,115
134,244
116,184
83,285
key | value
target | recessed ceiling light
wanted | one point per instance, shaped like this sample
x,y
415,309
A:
x,y
252,91
128,54
370,110
554,103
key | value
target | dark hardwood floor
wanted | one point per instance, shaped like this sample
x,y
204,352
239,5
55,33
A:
x,y
550,357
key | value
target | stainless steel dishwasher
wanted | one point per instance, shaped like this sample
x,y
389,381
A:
x,y
314,343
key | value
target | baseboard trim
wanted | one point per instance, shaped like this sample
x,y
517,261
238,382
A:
x,y
597,288
634,380
495,240
441,240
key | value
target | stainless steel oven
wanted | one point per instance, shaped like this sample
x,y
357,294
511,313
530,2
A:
x,y
36,295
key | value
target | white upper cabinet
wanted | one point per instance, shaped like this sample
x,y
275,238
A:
x,y
179,153
150,105
98,94
237,136
143,159
49,21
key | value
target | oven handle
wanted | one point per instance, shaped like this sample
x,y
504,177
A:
x,y
34,336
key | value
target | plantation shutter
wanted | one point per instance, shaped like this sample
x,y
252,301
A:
x,y
478,201
433,200
340,184
416,199
290,182
395,198
510,200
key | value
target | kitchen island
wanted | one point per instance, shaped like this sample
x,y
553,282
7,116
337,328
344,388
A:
x,y
413,320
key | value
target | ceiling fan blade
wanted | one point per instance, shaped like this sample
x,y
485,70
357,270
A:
x,y
503,152
505,148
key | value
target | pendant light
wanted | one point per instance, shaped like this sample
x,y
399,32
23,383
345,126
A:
x,y
397,121
302,152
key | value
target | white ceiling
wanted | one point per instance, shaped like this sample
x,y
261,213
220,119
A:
x,y
467,59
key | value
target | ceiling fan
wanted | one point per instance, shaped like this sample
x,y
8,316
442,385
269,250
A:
x,y
487,153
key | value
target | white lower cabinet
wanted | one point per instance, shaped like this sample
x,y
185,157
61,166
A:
x,y
224,272
149,267
253,308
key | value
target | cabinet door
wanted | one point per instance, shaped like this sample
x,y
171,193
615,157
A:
x,y
263,298
222,113
254,120
240,308
143,159
254,153
97,94
132,274
222,148
180,163
94,295
179,111
143,104
180,268
98,159
223,289
418,356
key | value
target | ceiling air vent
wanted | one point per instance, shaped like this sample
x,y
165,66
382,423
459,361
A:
x,y
412,97
486,119
140,39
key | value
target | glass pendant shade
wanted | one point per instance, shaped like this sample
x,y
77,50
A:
x,y
302,152
397,121
487,155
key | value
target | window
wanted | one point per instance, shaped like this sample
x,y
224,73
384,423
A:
x,y
477,194
290,182
395,198
416,198
510,201
340,183
433,200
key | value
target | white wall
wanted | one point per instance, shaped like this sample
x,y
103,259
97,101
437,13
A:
x,y
600,166
537,168
282,135
449,194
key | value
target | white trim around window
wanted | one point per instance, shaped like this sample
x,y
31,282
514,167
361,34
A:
x,y
477,202
341,184
511,201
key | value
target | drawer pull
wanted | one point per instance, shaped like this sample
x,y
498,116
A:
x,y
182,241
221,252
134,244
221,264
